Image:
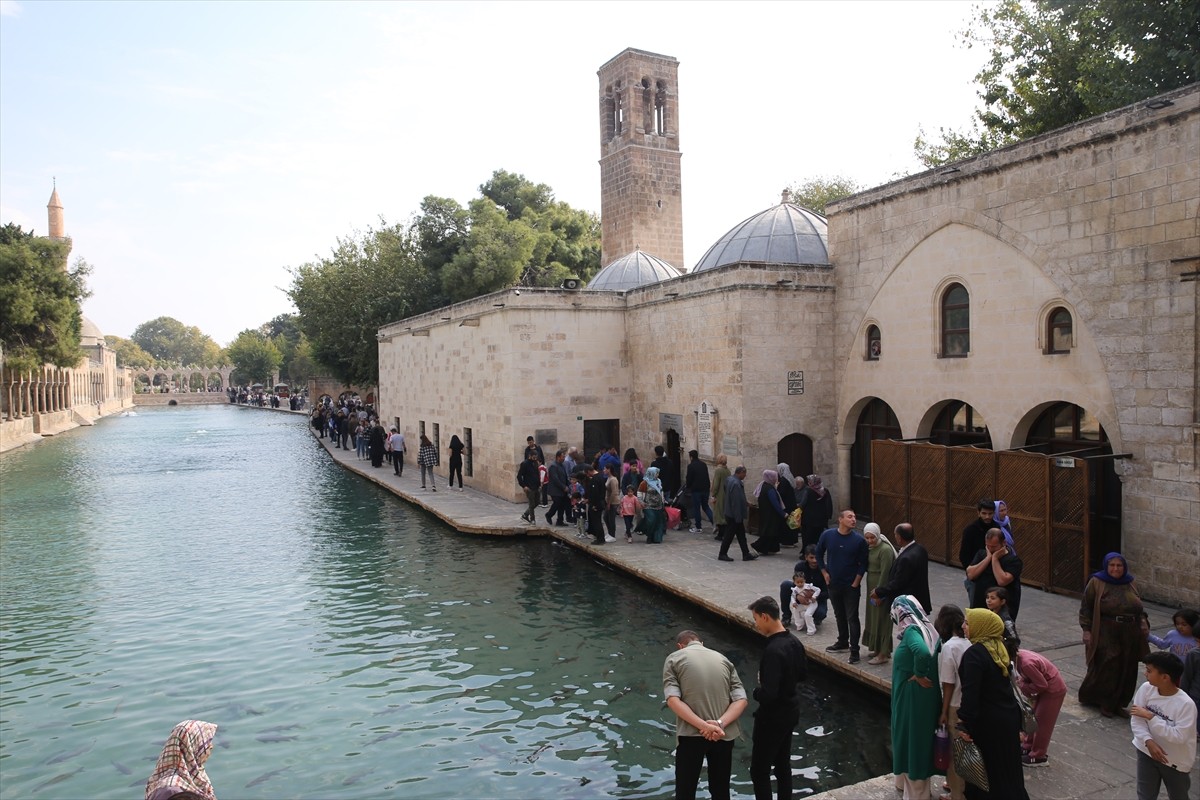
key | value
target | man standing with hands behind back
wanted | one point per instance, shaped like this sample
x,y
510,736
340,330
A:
x,y
706,694
842,555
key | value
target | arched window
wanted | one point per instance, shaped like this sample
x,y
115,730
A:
x,y
960,424
874,343
956,322
1058,331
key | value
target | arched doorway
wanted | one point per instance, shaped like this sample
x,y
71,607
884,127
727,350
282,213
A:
x,y
795,450
1065,429
960,424
877,421
676,455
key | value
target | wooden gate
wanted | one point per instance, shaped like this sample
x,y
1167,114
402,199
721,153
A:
x,y
937,488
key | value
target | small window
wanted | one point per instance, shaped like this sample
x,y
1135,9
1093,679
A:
x,y
468,461
874,343
956,322
1058,331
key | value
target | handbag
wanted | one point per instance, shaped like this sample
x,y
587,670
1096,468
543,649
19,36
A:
x,y
968,763
1029,723
941,749
793,519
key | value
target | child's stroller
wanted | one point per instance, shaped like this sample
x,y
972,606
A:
x,y
677,513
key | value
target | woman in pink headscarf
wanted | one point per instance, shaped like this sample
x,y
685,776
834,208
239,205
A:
x,y
772,519
179,773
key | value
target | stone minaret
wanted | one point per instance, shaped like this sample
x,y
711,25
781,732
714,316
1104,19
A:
x,y
54,209
641,189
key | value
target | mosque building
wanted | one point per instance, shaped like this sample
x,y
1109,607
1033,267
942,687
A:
x,y
1020,325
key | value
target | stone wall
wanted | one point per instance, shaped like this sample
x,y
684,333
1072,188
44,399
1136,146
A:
x,y
1099,218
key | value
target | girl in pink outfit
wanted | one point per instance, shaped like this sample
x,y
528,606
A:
x,y
1039,680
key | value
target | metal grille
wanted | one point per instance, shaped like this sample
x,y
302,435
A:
x,y
936,488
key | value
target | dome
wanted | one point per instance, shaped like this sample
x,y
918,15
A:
x,y
631,271
89,334
783,234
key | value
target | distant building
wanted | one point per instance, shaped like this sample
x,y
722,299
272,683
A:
x,y
1020,326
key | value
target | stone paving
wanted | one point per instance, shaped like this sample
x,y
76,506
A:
x,y
1090,756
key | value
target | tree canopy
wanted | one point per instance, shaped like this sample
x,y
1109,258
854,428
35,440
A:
x,y
40,316
129,353
169,341
284,332
817,193
1055,62
514,234
254,357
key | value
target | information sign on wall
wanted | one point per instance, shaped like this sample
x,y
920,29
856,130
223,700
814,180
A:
x,y
796,381
729,446
704,429
667,422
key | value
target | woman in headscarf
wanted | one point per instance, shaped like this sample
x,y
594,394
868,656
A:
x,y
456,460
818,508
787,496
1001,520
877,632
989,714
1110,615
375,442
654,515
916,697
771,516
720,475
179,773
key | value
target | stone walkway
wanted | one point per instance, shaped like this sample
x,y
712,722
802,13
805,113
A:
x,y
1090,756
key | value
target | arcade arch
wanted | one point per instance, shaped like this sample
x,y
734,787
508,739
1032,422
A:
x,y
876,420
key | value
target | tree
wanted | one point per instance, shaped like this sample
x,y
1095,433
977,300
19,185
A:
x,y
284,331
1055,62
170,341
129,353
254,357
40,315
817,193
369,280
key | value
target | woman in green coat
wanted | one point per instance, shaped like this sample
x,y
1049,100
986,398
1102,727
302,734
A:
x,y
916,697
720,474
877,633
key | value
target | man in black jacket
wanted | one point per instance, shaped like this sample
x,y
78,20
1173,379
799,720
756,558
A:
x,y
697,482
529,478
557,487
909,574
666,472
597,500
783,665
972,541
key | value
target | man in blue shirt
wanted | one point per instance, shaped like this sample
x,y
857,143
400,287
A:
x,y
842,554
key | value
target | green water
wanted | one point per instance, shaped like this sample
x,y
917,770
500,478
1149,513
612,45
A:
x,y
212,562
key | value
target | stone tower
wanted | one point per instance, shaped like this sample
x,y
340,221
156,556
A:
x,y
641,191
54,209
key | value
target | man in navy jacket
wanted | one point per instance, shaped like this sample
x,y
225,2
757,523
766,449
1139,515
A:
x,y
842,554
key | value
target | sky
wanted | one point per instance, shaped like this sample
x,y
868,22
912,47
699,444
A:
x,y
203,149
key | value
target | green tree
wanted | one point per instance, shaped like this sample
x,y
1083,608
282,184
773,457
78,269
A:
x,y
170,341
254,357
817,193
40,316
1055,62
129,353
369,280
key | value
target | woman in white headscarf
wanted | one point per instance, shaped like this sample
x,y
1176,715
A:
x,y
916,697
877,632
771,516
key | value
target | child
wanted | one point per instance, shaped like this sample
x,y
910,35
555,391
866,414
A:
x,y
579,510
949,624
997,603
804,602
1163,721
630,506
1039,680
1182,639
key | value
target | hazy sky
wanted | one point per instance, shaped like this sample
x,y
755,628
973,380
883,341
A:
x,y
202,148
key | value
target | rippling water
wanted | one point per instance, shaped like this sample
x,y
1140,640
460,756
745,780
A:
x,y
213,563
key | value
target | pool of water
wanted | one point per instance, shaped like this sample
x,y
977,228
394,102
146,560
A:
x,y
212,562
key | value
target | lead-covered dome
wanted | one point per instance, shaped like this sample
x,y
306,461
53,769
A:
x,y
783,234
89,333
631,271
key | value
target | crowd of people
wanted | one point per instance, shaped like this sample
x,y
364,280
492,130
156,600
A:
x,y
260,398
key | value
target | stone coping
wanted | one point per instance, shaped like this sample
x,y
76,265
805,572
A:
x,y
1091,756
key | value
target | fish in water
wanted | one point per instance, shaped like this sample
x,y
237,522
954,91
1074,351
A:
x,y
385,737
358,776
278,728
121,768
266,776
61,757
56,779
537,753
276,737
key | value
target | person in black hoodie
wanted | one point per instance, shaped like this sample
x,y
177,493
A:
x,y
666,473
699,485
972,541
597,502
812,574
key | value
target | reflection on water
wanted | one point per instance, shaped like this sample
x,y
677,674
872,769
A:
x,y
213,563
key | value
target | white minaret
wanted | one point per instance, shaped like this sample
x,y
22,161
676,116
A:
x,y
54,209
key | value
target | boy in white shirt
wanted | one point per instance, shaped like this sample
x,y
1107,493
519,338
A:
x,y
1163,721
949,625
804,603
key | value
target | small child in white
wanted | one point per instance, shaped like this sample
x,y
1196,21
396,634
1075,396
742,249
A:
x,y
804,604
1163,721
